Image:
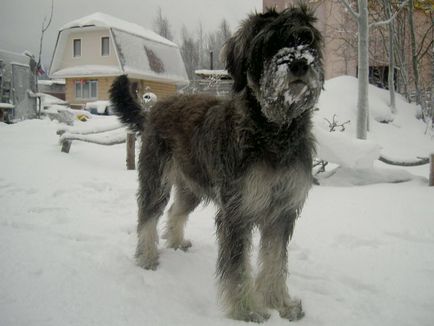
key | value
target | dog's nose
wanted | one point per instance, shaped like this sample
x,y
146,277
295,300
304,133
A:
x,y
299,67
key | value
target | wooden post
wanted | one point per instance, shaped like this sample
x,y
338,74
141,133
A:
x,y
66,146
431,171
131,151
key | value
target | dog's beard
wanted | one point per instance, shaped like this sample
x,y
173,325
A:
x,y
284,96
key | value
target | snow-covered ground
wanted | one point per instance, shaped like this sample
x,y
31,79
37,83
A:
x,y
360,255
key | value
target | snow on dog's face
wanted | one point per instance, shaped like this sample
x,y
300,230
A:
x,y
290,84
278,57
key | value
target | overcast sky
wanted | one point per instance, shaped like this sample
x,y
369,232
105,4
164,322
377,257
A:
x,y
20,20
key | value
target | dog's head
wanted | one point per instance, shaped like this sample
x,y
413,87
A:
x,y
278,57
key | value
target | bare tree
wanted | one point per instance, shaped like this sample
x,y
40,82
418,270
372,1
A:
x,y
391,52
362,18
45,24
201,46
216,40
162,25
190,52
419,99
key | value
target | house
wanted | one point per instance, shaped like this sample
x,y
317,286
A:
x,y
91,51
340,47
17,86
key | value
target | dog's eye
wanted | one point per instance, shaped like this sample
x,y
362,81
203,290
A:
x,y
304,35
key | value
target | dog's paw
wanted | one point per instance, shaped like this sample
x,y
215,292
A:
x,y
148,263
292,311
183,245
254,316
251,316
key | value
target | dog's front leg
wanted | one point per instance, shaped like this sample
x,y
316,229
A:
x,y
273,259
234,270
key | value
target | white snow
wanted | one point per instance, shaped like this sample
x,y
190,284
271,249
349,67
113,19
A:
x,y
346,151
100,106
87,70
218,73
50,82
6,106
360,255
97,125
48,100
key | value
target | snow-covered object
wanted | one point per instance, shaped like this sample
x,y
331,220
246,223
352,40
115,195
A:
x,y
112,137
348,177
50,82
140,56
149,98
86,71
97,125
344,88
215,73
139,52
49,100
65,114
99,107
347,152
6,106
103,20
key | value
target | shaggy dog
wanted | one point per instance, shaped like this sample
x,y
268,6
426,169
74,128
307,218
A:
x,y
251,154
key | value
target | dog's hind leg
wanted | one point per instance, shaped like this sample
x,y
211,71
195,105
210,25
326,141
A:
x,y
273,259
152,197
185,202
233,268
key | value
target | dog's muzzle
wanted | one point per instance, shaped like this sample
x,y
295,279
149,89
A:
x,y
290,84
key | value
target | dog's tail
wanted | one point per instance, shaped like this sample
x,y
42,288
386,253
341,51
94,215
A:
x,y
125,104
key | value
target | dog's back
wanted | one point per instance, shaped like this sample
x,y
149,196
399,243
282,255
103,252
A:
x,y
200,131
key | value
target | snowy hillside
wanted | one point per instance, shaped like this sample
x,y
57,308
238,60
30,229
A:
x,y
360,255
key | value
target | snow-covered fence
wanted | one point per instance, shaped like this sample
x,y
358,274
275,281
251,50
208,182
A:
x,y
109,134
110,137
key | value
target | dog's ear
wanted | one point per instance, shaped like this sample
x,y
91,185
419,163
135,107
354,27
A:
x,y
236,51
234,56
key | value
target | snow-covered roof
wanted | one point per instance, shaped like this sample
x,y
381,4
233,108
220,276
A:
x,y
141,56
103,20
14,58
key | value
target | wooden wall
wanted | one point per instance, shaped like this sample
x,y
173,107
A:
x,y
104,83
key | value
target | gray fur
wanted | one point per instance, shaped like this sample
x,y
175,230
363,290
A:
x,y
250,154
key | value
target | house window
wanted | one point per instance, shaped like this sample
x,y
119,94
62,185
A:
x,y
105,46
86,89
77,48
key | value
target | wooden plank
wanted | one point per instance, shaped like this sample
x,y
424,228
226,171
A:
x,y
131,151
431,173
